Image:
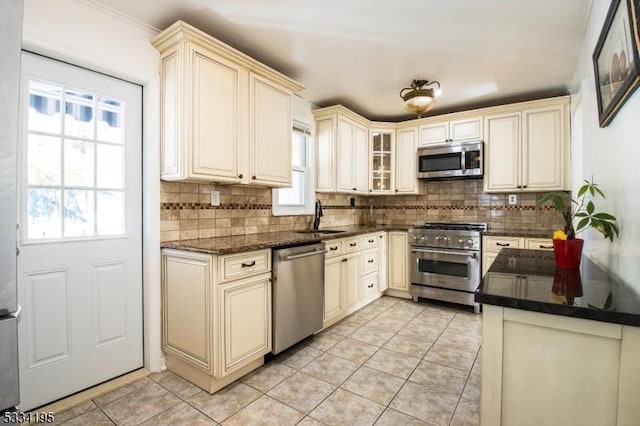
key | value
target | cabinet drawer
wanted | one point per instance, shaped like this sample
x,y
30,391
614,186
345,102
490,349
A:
x,y
243,265
370,260
370,286
334,248
351,244
539,243
369,241
495,244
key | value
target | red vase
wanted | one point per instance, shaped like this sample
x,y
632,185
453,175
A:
x,y
568,253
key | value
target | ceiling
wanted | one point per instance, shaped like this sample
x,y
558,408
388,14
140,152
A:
x,y
360,53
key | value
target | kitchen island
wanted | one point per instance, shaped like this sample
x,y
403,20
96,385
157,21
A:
x,y
559,346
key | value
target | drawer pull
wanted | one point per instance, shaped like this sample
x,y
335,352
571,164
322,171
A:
x,y
371,241
353,244
545,247
503,244
249,264
370,285
334,248
370,261
345,260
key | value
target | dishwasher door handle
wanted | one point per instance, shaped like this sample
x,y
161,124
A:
x,y
301,255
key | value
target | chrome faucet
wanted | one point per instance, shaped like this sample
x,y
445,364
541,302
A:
x,y
317,215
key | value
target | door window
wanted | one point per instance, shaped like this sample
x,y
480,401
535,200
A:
x,y
75,164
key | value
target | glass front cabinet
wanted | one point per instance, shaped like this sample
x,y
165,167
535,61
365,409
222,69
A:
x,y
381,162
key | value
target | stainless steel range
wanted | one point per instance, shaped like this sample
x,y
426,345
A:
x,y
445,261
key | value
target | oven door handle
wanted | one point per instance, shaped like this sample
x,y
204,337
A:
x,y
472,255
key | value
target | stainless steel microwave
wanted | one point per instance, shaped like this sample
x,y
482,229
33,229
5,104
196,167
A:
x,y
451,160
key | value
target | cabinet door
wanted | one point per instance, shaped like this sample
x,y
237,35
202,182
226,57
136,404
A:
x,y
351,277
383,276
186,308
270,133
487,259
333,301
360,165
431,134
381,165
406,180
325,155
345,156
543,149
245,314
216,117
398,261
502,152
466,130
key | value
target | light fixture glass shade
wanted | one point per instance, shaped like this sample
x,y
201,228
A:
x,y
417,99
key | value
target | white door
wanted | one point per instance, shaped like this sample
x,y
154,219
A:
x,y
80,265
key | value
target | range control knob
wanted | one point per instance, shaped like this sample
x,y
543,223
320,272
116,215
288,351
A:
x,y
470,242
423,239
416,238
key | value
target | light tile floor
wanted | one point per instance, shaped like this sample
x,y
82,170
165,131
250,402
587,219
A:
x,y
394,362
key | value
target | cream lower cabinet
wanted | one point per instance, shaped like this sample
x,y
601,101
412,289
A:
x,y
224,116
351,274
216,322
491,246
543,369
398,263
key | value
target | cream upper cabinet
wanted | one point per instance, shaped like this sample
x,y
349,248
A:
x,y
527,149
381,164
342,151
270,136
406,181
353,147
451,131
224,116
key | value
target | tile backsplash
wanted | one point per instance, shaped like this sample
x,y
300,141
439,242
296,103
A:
x,y
186,212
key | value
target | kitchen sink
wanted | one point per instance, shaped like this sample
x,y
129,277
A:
x,y
320,231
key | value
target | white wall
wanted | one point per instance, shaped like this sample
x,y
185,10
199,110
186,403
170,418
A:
x,y
85,33
612,156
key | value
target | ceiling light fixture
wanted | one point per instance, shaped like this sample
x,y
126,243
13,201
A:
x,y
419,99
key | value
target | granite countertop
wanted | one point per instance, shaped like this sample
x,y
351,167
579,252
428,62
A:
x,y
529,280
241,243
523,233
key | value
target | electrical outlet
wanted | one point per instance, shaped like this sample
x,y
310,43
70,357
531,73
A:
x,y
215,198
513,199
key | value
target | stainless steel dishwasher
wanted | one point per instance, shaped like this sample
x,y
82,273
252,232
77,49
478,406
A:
x,y
298,294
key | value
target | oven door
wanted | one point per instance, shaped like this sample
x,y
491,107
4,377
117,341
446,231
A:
x,y
450,269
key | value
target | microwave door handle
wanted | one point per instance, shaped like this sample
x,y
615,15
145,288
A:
x,y
463,160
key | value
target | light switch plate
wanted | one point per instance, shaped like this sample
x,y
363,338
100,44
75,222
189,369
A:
x,y
215,198
513,199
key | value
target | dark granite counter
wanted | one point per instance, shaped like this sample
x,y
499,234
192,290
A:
x,y
520,233
529,280
241,243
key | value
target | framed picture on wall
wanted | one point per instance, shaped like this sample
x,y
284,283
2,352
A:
x,y
615,59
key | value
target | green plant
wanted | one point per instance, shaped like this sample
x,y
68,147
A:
x,y
582,207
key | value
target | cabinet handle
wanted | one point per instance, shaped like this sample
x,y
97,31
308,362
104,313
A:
x,y
545,247
370,285
524,186
380,236
249,265
344,260
370,261
503,244
371,241
353,244
371,190
253,177
355,189
519,186
240,175
333,248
